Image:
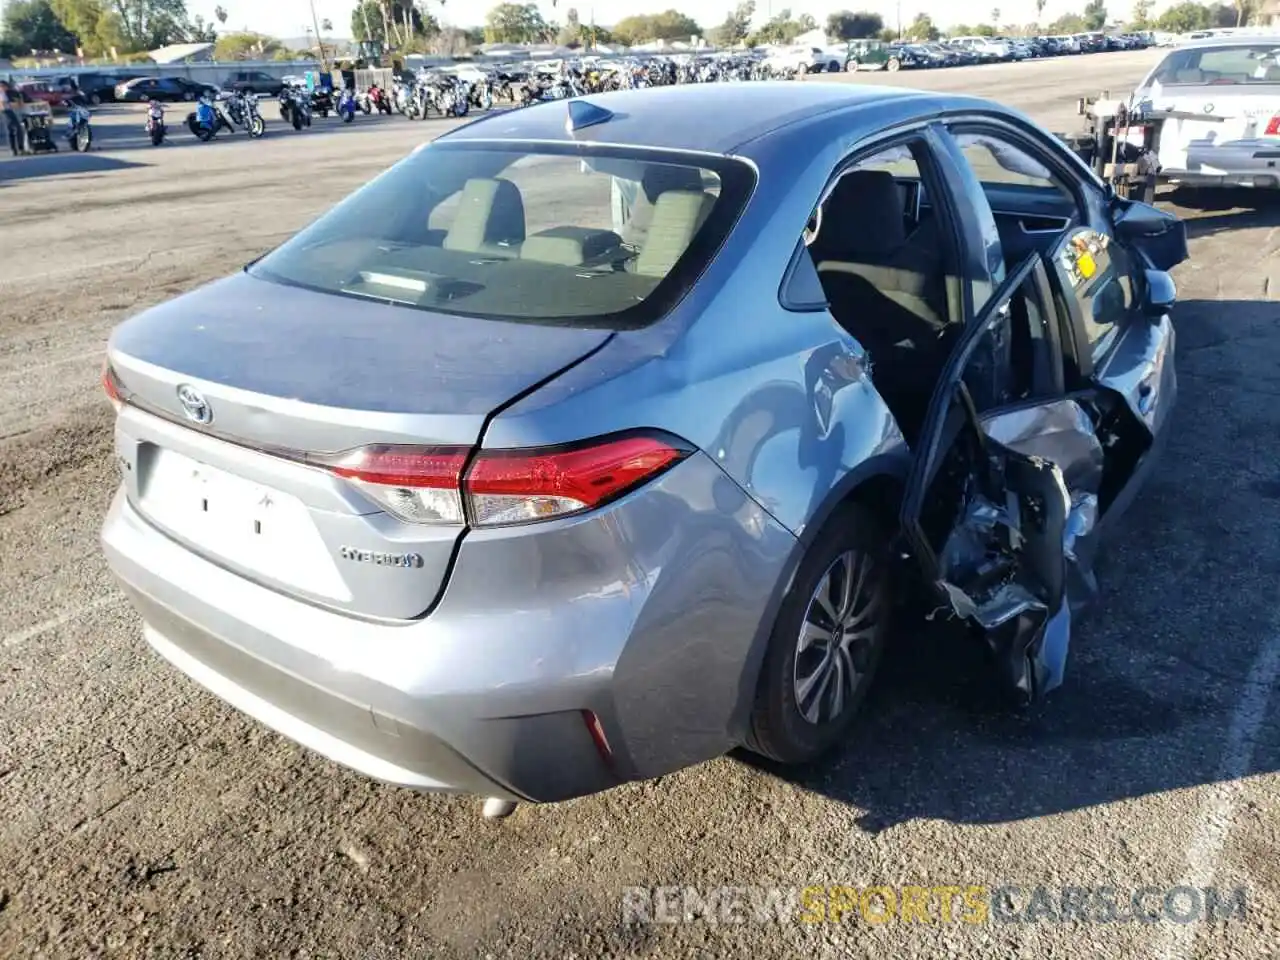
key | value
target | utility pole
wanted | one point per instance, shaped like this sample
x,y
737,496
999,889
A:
x,y
324,62
899,19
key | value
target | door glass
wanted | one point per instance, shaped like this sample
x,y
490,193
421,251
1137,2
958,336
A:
x,y
997,161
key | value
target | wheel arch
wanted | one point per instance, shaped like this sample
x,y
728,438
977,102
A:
x,y
878,483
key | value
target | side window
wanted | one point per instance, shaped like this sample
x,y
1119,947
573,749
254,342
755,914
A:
x,y
889,270
997,162
1098,275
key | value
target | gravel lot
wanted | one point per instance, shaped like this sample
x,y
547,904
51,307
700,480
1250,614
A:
x,y
142,817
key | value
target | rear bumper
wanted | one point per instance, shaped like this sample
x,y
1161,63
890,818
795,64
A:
x,y
650,613
1243,163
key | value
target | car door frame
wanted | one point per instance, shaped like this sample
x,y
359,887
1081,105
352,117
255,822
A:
x,y
1137,362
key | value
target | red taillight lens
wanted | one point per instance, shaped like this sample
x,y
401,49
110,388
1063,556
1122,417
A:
x,y
1273,128
596,729
417,484
111,386
425,484
516,486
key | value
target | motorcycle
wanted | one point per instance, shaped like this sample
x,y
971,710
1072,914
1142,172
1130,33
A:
x,y
79,133
482,95
375,98
322,101
227,112
402,97
242,108
155,122
295,107
347,105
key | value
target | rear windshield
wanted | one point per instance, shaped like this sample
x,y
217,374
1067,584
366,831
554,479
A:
x,y
1236,64
560,234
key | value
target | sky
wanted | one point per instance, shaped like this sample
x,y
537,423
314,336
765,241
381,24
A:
x,y
289,18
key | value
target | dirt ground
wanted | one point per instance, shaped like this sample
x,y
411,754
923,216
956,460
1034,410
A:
x,y
141,817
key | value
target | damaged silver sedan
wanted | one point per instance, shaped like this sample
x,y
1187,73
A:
x,y
589,441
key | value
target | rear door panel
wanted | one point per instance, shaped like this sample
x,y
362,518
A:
x,y
998,501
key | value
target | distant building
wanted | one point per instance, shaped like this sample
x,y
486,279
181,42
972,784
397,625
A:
x,y
183,53
1268,14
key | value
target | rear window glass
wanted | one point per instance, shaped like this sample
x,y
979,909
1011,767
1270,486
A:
x,y
1236,64
547,234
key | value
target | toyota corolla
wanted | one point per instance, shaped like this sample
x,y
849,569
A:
x,y
596,439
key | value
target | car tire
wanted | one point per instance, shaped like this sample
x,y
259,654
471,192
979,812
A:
x,y
833,66
894,65
95,99
851,66
187,96
797,717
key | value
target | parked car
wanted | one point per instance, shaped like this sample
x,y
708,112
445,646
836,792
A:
x,y
142,89
578,471
1231,85
867,55
46,92
95,88
254,81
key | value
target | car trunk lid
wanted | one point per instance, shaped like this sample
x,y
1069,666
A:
x,y
1223,115
236,394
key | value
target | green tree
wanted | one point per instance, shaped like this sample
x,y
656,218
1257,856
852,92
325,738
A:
x,y
1040,5
1222,15
32,25
995,17
669,25
1141,17
1095,14
984,30
783,28
1184,18
1067,23
516,23
922,28
847,25
245,46
125,25
737,25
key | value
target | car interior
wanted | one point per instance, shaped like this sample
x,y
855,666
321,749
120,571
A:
x,y
891,282
491,249
890,276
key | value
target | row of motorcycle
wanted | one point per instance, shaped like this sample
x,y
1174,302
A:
x,y
229,111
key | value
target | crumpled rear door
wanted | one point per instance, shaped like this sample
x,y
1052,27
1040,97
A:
x,y
998,501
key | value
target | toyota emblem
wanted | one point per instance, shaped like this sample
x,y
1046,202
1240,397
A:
x,y
194,405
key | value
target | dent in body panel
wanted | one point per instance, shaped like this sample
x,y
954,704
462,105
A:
x,y
1141,370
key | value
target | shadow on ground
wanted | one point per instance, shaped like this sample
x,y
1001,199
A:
x,y
1212,211
59,164
1156,669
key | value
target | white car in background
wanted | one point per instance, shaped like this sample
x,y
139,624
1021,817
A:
x,y
809,59
1228,89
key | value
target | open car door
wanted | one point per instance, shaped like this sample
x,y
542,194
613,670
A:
x,y
1005,481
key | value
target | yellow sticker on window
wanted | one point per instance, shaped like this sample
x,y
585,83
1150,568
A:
x,y
1086,266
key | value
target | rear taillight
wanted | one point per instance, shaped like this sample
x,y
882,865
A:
x,y
1273,128
517,486
111,386
426,485
417,484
